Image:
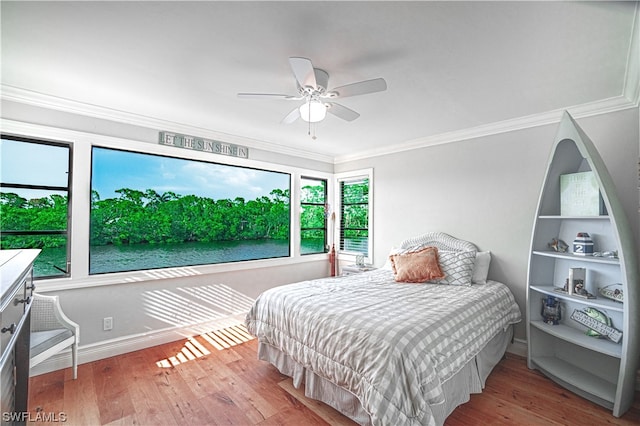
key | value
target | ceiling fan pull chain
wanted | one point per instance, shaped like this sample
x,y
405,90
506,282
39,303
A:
x,y
313,136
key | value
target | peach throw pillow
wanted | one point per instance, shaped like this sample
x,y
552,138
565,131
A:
x,y
417,266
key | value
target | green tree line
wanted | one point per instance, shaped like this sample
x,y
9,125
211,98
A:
x,y
38,214
137,217
313,212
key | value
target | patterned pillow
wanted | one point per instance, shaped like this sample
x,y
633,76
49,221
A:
x,y
457,267
416,266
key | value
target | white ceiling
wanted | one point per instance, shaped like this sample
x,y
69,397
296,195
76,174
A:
x,y
449,66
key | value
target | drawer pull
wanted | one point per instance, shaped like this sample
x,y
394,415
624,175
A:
x,y
31,287
11,329
25,301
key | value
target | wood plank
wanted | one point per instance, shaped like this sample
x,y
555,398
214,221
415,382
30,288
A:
x,y
255,406
231,386
499,412
151,406
519,380
191,370
322,410
80,400
111,389
182,402
294,416
224,411
48,390
514,392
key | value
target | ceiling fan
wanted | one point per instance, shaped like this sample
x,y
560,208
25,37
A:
x,y
312,88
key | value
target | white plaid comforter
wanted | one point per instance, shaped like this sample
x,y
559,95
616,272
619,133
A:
x,y
390,344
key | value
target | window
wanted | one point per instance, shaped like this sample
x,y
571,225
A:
x,y
150,211
355,217
35,192
313,216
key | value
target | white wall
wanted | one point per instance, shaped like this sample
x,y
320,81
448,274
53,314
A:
x,y
152,307
486,190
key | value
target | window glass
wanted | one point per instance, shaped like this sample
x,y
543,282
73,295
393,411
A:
x,y
34,201
313,216
150,211
354,216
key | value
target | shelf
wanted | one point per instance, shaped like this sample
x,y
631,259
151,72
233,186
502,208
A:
x,y
577,337
558,217
573,257
598,302
577,377
598,369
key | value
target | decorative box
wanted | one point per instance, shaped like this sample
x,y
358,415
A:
x,y
583,245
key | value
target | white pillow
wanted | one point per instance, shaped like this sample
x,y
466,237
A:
x,y
387,263
457,266
481,267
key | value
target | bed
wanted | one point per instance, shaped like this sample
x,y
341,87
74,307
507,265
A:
x,y
384,351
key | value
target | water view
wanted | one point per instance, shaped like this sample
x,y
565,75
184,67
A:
x,y
105,259
149,256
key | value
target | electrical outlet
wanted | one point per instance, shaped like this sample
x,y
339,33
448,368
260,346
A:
x,y
107,323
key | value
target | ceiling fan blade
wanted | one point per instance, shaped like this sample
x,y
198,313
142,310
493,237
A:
x,y
303,70
342,111
360,88
292,116
268,96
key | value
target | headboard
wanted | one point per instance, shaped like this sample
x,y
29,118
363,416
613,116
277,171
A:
x,y
440,240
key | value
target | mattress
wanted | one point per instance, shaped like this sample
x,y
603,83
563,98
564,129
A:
x,y
394,346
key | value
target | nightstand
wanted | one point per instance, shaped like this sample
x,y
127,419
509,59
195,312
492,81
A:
x,y
355,269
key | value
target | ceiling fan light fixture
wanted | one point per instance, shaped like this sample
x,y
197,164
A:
x,y
313,111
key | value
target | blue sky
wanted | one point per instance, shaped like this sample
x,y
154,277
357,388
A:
x,y
32,164
113,169
29,163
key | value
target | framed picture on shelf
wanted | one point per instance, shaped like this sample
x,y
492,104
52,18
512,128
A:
x,y
580,195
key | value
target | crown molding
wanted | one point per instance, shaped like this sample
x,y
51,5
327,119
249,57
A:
x,y
28,97
618,103
604,106
631,88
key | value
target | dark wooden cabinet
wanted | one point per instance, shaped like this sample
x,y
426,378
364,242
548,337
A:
x,y
16,276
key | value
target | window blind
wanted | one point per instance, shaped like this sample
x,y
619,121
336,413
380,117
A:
x,y
354,216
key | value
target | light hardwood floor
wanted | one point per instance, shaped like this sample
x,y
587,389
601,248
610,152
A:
x,y
217,379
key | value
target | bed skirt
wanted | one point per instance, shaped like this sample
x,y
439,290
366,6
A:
x,y
457,389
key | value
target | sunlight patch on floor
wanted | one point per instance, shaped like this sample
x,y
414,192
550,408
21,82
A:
x,y
217,339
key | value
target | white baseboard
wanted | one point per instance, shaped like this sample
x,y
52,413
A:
x,y
518,347
113,347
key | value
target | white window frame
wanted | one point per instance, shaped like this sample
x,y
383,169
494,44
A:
x,y
39,140
327,226
83,142
335,239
